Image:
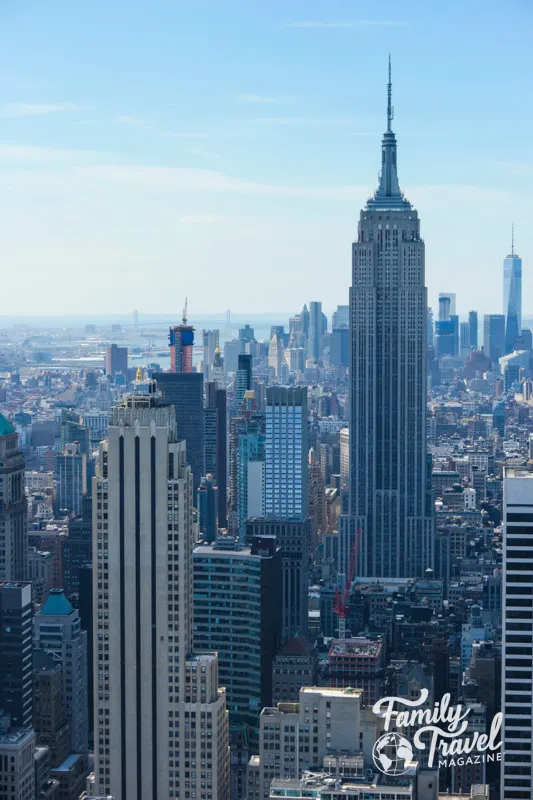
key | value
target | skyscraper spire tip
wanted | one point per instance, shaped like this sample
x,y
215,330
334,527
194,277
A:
x,y
390,108
512,238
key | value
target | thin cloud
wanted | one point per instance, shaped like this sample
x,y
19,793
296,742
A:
x,y
201,219
303,121
18,110
261,99
346,24
198,151
144,125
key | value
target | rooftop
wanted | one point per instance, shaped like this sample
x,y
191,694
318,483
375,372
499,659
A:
x,y
6,428
57,604
68,763
356,647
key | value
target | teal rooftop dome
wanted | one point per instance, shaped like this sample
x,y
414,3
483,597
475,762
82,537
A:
x,y
6,428
57,604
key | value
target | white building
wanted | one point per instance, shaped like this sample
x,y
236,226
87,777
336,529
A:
x,y
517,612
295,737
161,724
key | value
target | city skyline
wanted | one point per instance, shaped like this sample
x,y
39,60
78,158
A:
x,y
154,166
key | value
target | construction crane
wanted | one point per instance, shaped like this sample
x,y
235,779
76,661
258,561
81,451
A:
x,y
341,598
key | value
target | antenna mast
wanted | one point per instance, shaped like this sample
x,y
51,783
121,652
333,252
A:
x,y
390,107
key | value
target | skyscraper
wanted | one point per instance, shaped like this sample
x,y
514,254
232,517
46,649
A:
x,y
237,612
13,537
287,449
243,379
158,708
216,444
473,328
390,498
71,472
185,392
316,329
57,630
210,342
181,342
494,337
116,359
16,670
512,297
516,766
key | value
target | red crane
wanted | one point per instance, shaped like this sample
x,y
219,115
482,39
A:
x,y
341,599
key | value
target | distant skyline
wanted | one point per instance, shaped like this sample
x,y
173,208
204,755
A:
x,y
221,150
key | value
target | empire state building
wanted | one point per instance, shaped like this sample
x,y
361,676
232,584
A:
x,y
390,474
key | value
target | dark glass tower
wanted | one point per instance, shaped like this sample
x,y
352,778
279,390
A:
x,y
390,498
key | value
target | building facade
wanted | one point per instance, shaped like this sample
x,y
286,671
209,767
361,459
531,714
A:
x,y
390,496
517,612
286,453
13,537
164,711
57,631
16,668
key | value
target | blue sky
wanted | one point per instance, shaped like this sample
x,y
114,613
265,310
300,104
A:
x,y
223,150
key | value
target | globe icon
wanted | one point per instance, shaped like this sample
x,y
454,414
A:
x,y
391,754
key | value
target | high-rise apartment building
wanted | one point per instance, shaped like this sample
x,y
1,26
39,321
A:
x,y
494,337
390,497
13,537
160,718
116,360
57,630
512,298
517,612
16,667
286,454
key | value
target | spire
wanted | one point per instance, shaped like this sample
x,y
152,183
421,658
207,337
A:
x,y
388,194
139,375
512,238
390,107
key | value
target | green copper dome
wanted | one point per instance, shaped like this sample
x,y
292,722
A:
x,y
5,427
